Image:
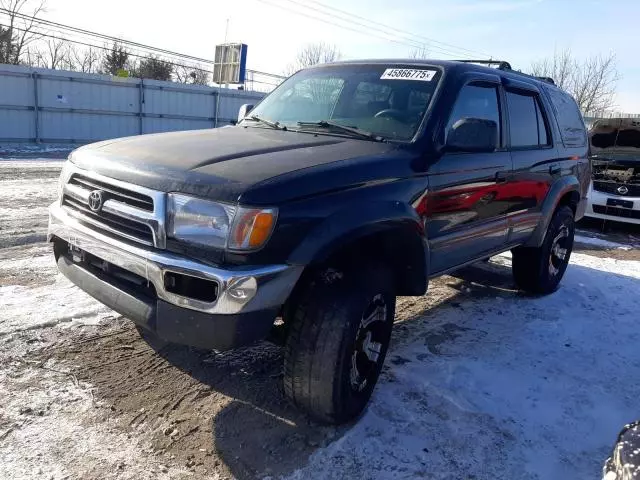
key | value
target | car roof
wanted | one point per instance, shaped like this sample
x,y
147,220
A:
x,y
457,65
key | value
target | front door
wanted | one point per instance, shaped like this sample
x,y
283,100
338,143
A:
x,y
466,217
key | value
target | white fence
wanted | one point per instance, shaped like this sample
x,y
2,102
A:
x,y
41,105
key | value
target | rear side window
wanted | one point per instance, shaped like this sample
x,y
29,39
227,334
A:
x,y
475,101
569,118
526,122
543,128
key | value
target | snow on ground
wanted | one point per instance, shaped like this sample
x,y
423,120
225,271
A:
x,y
47,415
53,432
33,151
522,387
481,382
599,242
22,306
27,189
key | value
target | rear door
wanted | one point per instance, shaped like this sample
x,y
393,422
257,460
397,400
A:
x,y
465,218
535,159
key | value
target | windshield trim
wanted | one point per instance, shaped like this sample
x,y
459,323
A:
x,y
419,132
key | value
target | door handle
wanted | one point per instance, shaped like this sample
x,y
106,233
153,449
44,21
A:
x,y
554,169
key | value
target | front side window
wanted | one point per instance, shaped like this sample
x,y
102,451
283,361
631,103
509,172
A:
x,y
476,101
386,100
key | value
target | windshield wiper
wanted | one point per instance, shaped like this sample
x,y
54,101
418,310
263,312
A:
x,y
271,124
343,128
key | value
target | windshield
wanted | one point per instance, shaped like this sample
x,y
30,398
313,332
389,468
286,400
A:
x,y
386,101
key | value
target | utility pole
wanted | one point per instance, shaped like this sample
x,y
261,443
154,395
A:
x,y
226,59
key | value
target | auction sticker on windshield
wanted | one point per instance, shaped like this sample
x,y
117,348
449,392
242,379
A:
x,y
408,74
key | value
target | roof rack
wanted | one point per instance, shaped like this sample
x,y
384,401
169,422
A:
x,y
502,65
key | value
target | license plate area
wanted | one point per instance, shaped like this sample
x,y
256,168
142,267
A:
x,y
616,202
77,254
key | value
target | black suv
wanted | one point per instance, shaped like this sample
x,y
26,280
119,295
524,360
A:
x,y
350,184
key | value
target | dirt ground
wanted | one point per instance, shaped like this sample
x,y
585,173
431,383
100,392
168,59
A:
x,y
83,395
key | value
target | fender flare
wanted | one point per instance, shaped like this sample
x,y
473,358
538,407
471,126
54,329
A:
x,y
558,190
347,226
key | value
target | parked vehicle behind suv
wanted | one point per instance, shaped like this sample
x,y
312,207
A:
x,y
614,193
350,184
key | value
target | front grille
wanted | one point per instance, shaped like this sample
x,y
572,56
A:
x,y
612,188
617,212
122,195
110,223
124,212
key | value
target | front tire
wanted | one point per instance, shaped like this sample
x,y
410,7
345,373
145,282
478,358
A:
x,y
338,338
539,270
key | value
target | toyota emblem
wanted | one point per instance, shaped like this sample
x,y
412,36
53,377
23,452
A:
x,y
622,190
95,200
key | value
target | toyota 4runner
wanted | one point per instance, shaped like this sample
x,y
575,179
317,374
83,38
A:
x,y
350,184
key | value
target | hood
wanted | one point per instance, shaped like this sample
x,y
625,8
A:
x,y
615,139
218,163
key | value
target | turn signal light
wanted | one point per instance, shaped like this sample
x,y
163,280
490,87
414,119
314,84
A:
x,y
252,228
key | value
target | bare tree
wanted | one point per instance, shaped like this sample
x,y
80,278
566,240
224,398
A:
x,y
22,22
592,81
83,60
53,54
192,75
56,55
419,53
32,57
314,54
320,90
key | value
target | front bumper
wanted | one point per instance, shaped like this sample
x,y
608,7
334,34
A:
x,y
597,207
247,301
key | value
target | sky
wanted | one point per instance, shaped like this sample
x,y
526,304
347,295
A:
x,y
519,31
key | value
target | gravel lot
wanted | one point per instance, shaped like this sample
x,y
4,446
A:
x,y
482,382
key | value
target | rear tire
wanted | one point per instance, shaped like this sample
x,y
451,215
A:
x,y
539,270
338,338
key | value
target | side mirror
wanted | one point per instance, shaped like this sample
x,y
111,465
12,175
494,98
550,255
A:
x,y
244,111
472,135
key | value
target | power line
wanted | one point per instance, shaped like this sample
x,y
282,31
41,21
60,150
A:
x,y
347,20
59,26
415,43
137,55
103,36
427,39
345,27
406,41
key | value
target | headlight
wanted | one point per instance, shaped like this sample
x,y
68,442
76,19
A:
x,y
214,224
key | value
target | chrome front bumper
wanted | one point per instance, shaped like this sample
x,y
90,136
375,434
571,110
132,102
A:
x,y
267,286
596,198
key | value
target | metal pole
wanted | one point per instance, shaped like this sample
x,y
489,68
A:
x,y
215,116
226,56
140,103
35,107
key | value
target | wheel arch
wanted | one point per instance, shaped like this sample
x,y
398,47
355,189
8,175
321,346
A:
x,y
565,191
390,232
